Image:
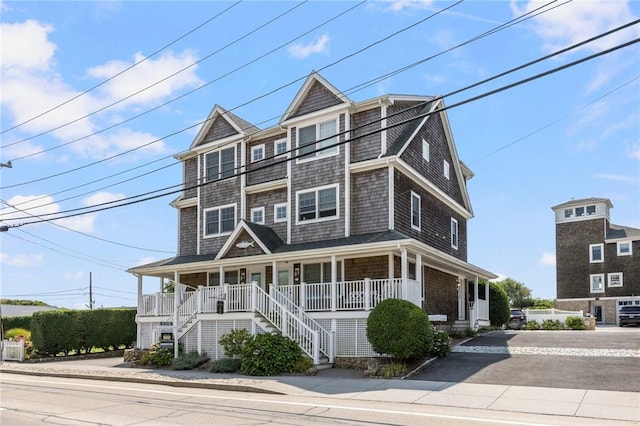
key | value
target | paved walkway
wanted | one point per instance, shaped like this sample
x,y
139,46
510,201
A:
x,y
594,405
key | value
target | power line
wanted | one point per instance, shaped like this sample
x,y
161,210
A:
x,y
419,116
113,76
239,106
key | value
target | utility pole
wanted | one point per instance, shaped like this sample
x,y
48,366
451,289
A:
x,y
90,291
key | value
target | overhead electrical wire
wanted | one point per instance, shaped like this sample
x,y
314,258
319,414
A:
x,y
117,74
517,20
417,117
518,68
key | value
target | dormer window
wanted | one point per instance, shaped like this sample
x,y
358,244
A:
x,y
579,211
317,136
220,164
591,210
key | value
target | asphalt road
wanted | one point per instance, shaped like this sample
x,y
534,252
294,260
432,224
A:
x,y
559,371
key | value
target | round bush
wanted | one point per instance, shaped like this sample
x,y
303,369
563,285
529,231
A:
x,y
574,323
269,355
400,329
499,312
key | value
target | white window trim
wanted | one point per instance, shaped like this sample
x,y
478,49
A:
x,y
275,212
591,247
258,209
316,189
457,235
317,155
256,148
630,248
591,277
425,150
445,169
219,151
610,274
414,195
204,220
275,147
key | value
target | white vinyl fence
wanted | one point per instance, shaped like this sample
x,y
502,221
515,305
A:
x,y
540,315
12,350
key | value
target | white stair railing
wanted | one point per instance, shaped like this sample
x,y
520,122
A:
x,y
286,322
326,338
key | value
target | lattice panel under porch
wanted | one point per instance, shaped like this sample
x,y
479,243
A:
x,y
351,338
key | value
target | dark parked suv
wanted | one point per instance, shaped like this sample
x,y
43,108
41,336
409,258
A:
x,y
518,319
629,315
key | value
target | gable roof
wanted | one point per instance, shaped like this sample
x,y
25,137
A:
x,y
314,80
262,235
619,232
239,125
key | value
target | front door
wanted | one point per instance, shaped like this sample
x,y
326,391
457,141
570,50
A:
x,y
597,312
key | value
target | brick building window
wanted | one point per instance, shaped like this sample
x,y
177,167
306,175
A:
x,y
415,211
615,279
596,253
624,248
597,283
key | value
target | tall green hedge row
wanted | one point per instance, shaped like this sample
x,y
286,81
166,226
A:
x,y
16,322
53,332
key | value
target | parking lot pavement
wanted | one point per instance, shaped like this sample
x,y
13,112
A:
x,y
557,359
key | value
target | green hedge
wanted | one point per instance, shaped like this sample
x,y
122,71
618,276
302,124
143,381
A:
x,y
16,322
64,331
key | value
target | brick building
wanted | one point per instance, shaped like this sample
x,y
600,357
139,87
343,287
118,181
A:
x,y
598,263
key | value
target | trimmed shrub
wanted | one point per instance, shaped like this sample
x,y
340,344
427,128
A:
x,y
233,342
189,361
441,343
225,365
393,369
53,332
303,364
533,325
16,332
269,355
499,312
551,325
16,322
399,328
574,323
160,356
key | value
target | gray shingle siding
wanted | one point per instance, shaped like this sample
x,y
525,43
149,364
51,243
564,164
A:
x,y
318,97
369,201
190,177
394,133
365,148
433,133
267,200
218,194
219,130
188,239
435,218
272,172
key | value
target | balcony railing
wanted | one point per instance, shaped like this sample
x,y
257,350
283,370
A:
x,y
361,295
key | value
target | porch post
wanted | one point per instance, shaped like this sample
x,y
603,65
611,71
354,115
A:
x,y
140,310
461,299
176,306
274,274
404,273
419,278
334,281
391,271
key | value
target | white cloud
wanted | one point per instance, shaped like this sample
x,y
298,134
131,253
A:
x,y
547,259
301,51
576,21
83,223
22,260
75,276
399,5
101,197
28,206
501,277
634,152
616,178
33,52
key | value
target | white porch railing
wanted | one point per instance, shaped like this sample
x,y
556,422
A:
x,y
158,304
288,324
326,338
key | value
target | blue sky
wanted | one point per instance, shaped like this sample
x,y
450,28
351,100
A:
x,y
572,134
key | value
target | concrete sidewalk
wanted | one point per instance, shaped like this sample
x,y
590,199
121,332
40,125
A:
x,y
594,405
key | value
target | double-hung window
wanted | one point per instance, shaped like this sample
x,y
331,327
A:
x,y
415,211
596,253
220,164
454,233
319,203
317,136
219,220
597,283
624,248
615,279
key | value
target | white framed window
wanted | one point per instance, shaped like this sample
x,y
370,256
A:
x,y
445,166
591,210
257,153
454,233
280,212
568,213
425,150
614,279
219,220
415,211
317,204
624,248
597,283
257,215
317,136
579,211
596,253
280,146
220,164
